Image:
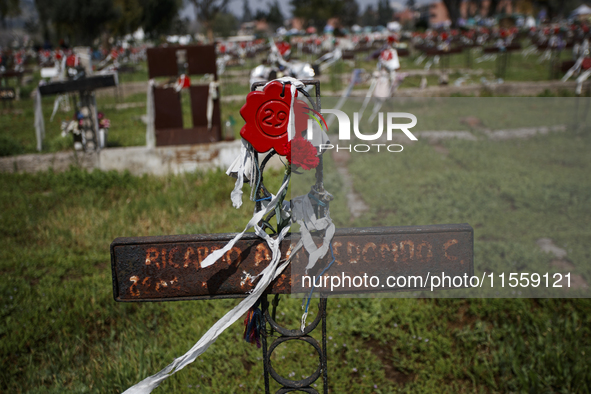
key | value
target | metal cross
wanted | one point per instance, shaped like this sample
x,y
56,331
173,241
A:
x,y
168,268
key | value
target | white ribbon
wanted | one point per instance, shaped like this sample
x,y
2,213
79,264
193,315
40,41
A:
x,y
272,271
150,130
268,274
576,67
58,100
241,167
294,85
256,218
303,213
39,123
213,95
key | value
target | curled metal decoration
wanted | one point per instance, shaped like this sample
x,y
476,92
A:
x,y
285,334
303,385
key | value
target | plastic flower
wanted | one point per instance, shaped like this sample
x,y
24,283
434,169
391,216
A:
x,y
104,123
301,153
266,114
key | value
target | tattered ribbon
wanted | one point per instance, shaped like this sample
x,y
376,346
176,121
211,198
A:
x,y
241,168
39,123
256,218
303,213
268,274
213,95
576,67
294,85
271,272
150,130
56,104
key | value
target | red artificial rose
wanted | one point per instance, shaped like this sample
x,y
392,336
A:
x,y
301,153
266,114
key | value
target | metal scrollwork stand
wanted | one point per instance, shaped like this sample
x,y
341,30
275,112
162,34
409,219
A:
x,y
284,334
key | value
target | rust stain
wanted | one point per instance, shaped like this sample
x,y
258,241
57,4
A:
x,y
152,268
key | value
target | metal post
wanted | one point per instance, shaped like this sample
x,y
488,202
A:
x,y
286,335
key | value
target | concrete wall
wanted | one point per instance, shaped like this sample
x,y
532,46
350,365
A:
x,y
138,160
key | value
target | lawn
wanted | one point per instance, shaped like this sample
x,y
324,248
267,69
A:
x,y
62,331
128,129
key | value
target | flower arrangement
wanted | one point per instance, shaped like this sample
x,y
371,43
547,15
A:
x,y
301,153
81,120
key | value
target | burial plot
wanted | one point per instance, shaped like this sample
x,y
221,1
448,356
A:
x,y
181,64
88,138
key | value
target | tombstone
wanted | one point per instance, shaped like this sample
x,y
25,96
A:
x,y
8,93
503,60
166,111
89,138
170,268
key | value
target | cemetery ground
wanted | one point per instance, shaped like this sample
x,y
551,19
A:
x,y
125,111
62,331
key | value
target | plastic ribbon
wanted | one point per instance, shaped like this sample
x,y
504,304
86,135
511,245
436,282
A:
x,y
294,85
268,274
303,213
150,130
272,271
241,167
256,218
213,95
581,79
56,104
39,123
576,67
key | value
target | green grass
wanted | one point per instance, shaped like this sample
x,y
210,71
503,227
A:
x,y
61,331
17,133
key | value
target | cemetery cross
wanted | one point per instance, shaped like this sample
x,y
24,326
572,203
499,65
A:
x,y
168,268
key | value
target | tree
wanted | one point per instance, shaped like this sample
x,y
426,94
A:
x,y
159,16
129,17
9,8
558,8
84,21
492,7
225,24
275,16
350,13
318,12
246,12
81,21
385,12
44,11
206,11
369,17
453,9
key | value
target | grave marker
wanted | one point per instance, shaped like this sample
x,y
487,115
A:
x,y
169,268
183,62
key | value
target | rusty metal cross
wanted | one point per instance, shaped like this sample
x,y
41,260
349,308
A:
x,y
168,268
